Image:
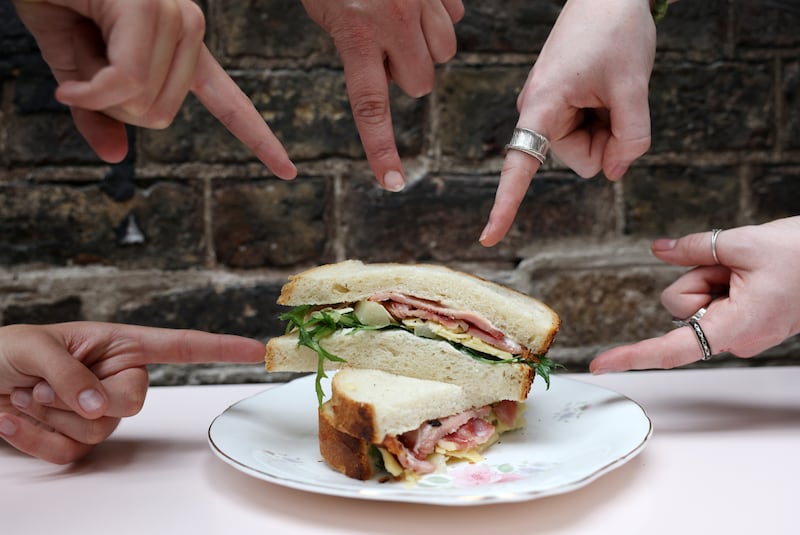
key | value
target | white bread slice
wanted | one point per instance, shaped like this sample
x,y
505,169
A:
x,y
371,404
403,353
371,408
521,317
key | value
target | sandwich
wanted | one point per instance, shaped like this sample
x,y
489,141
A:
x,y
379,425
416,320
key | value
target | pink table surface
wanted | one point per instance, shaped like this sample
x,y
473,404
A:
x,y
724,458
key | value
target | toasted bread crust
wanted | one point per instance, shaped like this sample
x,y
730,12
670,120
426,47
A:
x,y
356,419
344,453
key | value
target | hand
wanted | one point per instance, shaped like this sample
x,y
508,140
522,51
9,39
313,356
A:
x,y
751,296
121,62
587,94
383,40
65,387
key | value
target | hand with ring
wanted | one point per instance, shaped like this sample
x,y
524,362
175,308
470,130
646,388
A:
x,y
750,297
587,95
382,41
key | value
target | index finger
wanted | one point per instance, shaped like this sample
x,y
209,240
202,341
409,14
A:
x,y
368,90
152,345
226,101
676,348
515,177
693,249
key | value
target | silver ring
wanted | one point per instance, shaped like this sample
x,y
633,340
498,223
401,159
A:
x,y
693,321
529,142
714,233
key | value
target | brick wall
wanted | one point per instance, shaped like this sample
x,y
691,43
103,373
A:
x,y
220,234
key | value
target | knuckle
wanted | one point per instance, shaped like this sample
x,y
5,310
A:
x,y
370,108
457,11
587,170
422,83
194,22
160,119
446,52
147,117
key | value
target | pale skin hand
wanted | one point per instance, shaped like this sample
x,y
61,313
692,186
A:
x,y
120,62
380,41
65,387
751,297
587,94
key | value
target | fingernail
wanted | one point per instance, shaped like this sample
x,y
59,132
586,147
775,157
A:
x,y
65,100
90,400
393,181
484,233
7,427
618,171
44,394
21,398
601,371
664,245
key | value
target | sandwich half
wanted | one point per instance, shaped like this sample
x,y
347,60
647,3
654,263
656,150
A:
x,y
386,426
417,320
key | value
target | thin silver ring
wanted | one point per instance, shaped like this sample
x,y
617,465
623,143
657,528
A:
x,y
693,321
529,142
714,233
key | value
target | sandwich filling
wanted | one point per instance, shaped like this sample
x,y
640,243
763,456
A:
x,y
468,328
462,436
467,331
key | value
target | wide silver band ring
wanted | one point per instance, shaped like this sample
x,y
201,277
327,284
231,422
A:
x,y
693,321
529,142
714,233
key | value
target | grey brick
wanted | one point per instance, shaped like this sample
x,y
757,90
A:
x,y
440,218
62,224
721,106
478,110
672,201
776,192
511,26
270,223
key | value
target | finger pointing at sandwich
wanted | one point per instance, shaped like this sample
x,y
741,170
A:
x,y
67,385
745,302
588,96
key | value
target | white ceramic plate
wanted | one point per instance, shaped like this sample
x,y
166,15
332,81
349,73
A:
x,y
575,432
